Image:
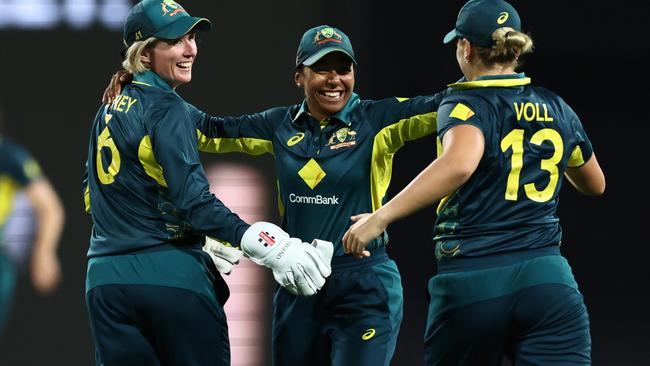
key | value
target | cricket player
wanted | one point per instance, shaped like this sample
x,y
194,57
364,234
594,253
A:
x,y
154,297
503,288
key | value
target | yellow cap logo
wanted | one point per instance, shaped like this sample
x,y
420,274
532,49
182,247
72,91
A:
x,y
502,17
368,334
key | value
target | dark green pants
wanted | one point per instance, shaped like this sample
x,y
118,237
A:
x,y
530,312
7,287
353,321
158,307
142,325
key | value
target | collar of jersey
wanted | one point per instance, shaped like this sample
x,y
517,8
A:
x,y
491,81
343,115
150,78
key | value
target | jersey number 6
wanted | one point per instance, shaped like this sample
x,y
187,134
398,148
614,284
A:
x,y
105,141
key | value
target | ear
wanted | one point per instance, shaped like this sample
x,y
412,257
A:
x,y
145,56
467,49
298,77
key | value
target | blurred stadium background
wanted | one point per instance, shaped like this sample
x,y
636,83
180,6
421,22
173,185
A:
x,y
57,56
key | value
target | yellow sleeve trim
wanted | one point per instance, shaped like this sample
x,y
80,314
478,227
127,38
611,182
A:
x,y
247,145
32,169
576,159
390,139
462,112
87,199
8,188
149,162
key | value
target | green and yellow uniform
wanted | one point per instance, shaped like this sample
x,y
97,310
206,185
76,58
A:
x,y
328,171
151,208
503,286
17,170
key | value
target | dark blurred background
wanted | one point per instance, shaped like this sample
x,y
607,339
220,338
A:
x,y
57,57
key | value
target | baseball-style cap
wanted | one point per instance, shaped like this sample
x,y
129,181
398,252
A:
x,y
319,41
478,19
164,19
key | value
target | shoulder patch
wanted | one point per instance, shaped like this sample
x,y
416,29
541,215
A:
x,y
462,112
32,169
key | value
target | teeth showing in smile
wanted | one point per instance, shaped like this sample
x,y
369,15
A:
x,y
184,65
333,94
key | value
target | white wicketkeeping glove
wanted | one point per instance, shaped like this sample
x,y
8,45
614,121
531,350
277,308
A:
x,y
223,256
299,267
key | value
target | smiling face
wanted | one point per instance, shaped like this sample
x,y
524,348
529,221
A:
x,y
172,59
328,84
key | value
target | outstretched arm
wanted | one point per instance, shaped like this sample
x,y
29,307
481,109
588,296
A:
x,y
250,134
463,147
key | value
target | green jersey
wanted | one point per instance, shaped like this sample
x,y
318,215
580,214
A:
x,y
145,185
327,170
17,169
509,204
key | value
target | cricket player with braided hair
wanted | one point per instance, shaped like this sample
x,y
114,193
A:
x,y
334,153
154,297
503,287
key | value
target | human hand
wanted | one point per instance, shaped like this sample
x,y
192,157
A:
x,y
299,267
114,88
366,227
224,257
45,271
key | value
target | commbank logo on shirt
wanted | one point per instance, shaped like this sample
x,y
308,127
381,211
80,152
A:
x,y
314,200
312,173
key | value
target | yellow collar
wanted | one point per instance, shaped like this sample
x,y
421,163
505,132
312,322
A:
x,y
490,83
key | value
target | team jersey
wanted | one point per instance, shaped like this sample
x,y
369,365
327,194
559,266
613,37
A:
x,y
145,185
509,204
327,170
17,169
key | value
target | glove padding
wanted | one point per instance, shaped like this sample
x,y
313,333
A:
x,y
223,256
299,267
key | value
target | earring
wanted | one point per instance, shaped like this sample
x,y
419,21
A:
x,y
299,85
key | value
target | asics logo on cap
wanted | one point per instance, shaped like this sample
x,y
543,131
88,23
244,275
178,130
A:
x,y
503,17
327,35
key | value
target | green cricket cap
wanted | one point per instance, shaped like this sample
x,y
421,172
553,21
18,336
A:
x,y
478,19
164,19
321,40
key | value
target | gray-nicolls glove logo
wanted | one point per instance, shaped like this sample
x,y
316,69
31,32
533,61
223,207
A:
x,y
266,238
